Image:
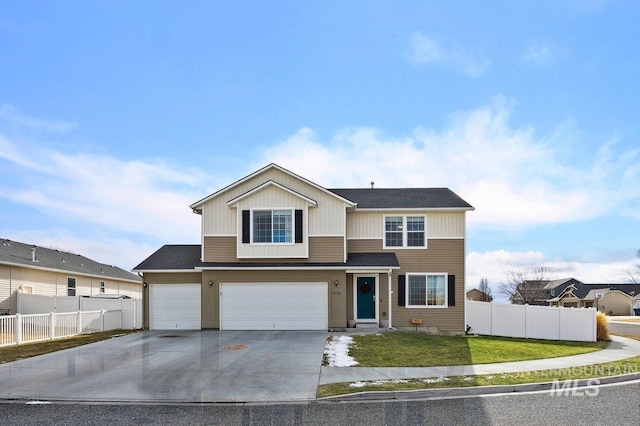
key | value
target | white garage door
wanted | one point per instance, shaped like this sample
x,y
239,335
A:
x,y
174,307
273,306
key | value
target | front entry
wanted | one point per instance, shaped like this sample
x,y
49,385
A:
x,y
366,298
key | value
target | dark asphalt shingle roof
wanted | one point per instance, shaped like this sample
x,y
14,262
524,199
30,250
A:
x,y
16,253
403,198
187,257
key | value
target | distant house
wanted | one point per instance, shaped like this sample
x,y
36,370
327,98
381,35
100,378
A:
x,y
538,292
26,268
612,299
479,296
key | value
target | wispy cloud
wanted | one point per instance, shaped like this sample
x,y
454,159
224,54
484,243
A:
x,y
148,199
515,178
544,53
11,117
430,51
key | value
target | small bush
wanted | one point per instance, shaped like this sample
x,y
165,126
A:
x,y
602,327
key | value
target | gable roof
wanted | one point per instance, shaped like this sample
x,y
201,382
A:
x,y
404,198
20,254
174,257
268,184
197,206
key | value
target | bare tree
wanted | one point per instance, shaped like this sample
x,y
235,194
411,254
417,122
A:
x,y
485,289
526,285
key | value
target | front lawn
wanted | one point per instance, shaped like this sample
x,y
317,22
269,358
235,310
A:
x,y
420,350
15,352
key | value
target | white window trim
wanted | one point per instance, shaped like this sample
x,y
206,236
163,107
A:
x,y
404,232
271,209
376,300
75,285
427,274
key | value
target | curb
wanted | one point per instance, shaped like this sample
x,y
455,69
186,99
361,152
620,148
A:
x,y
470,391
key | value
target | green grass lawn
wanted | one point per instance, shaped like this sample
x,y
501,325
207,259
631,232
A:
x,y
420,350
14,353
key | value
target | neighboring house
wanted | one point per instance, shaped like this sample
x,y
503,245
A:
x,y
478,296
30,269
538,292
280,252
612,299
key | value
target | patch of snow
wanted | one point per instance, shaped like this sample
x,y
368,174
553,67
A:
x,y
337,352
37,402
467,379
358,384
438,380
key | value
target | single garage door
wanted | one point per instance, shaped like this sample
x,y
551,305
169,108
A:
x,y
174,307
273,306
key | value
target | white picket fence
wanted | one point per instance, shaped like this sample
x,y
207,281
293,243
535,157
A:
x,y
534,322
131,309
18,329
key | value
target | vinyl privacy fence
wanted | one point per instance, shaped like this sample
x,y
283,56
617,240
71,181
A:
x,y
18,329
534,322
39,304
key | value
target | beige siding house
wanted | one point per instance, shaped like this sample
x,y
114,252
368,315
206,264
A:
x,y
281,252
26,268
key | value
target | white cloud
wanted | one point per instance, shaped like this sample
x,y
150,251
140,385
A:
x,y
11,116
144,198
543,53
427,51
513,178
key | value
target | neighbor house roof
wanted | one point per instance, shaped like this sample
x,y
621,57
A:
x,y
404,198
187,257
21,254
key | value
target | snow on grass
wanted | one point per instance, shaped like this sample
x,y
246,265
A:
x,y
336,352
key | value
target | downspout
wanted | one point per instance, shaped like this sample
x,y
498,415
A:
x,y
389,297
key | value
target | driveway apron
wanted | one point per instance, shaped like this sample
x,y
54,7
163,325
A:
x,y
179,366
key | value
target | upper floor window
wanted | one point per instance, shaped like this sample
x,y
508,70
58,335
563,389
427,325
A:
x,y
71,286
272,226
404,231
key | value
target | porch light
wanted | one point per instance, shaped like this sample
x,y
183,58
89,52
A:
x,y
336,283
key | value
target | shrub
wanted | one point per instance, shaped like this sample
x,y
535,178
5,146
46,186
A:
x,y
602,327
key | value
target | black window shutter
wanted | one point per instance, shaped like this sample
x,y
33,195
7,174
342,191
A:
x,y
298,226
401,288
452,290
246,226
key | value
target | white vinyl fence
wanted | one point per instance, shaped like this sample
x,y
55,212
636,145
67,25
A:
x,y
131,309
18,329
534,322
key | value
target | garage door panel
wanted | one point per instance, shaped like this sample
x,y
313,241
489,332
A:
x,y
175,306
274,306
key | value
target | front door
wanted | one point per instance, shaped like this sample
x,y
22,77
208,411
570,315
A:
x,y
366,298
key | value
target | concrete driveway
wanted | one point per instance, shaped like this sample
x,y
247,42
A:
x,y
180,366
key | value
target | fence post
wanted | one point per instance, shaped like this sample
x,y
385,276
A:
x,y
18,329
79,330
102,311
52,326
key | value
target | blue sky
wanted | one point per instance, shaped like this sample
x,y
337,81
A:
x,y
115,116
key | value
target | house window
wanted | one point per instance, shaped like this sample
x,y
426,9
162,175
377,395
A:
x,y
426,290
404,231
272,226
103,287
393,231
71,286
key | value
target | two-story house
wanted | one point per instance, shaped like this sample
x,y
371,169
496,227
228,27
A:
x,y
280,252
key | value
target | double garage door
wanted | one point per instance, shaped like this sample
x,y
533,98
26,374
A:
x,y
243,306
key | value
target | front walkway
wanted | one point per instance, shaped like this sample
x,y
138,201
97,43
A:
x,y
619,349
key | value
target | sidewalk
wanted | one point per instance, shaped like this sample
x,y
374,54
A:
x,y
619,349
